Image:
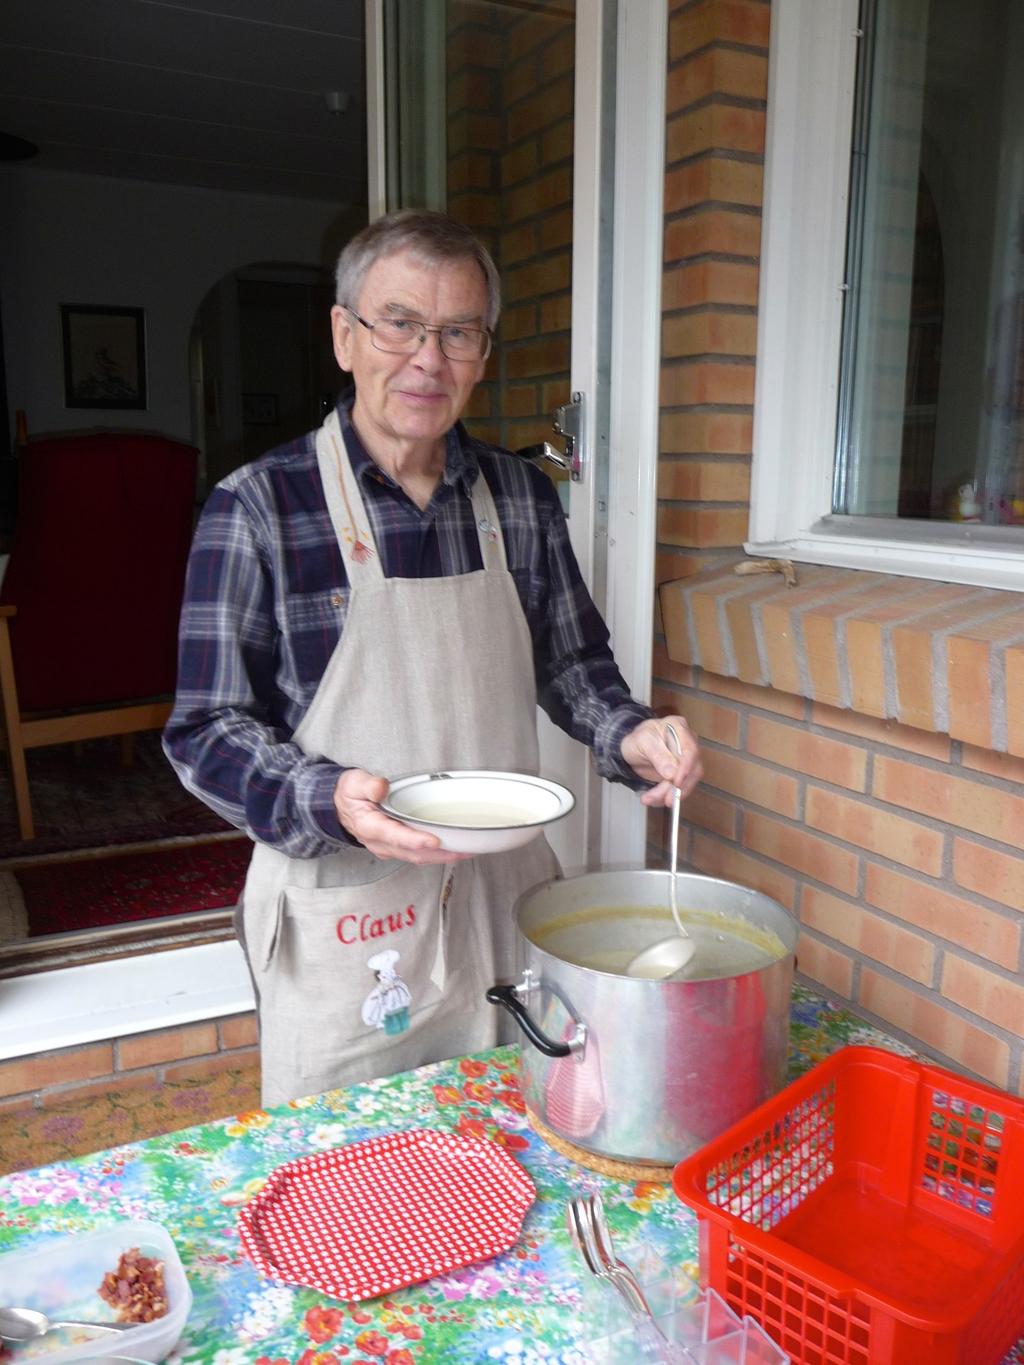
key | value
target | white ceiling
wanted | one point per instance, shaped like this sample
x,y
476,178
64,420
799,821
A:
x,y
227,94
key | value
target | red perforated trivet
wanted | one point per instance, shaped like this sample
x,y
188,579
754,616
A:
x,y
362,1220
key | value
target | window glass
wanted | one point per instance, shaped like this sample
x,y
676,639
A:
x,y
931,421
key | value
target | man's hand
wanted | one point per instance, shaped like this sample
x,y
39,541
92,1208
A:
x,y
647,751
356,800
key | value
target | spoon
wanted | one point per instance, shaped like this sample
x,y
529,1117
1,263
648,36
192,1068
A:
x,y
669,955
22,1324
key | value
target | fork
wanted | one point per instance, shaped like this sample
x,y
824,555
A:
x,y
592,1237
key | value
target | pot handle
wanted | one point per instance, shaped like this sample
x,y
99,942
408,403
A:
x,y
507,997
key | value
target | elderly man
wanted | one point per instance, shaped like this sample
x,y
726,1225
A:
x,y
388,595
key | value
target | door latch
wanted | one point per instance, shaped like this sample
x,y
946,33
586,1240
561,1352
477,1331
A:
x,y
567,422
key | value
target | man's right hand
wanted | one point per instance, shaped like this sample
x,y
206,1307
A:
x,y
356,799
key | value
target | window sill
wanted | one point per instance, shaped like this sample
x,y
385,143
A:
x,y
980,556
99,1000
938,656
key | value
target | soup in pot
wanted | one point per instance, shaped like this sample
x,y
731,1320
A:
x,y
608,938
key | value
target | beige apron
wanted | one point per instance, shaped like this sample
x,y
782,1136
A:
x,y
367,967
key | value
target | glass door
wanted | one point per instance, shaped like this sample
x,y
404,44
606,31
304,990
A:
x,y
504,115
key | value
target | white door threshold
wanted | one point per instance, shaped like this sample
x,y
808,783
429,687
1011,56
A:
x,y
100,1000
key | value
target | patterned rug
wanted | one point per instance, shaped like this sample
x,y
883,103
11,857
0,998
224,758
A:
x,y
90,892
84,796
40,1136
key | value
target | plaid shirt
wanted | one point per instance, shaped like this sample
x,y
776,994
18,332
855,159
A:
x,y
265,601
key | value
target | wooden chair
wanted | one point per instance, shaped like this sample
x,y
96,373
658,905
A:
x,y
90,599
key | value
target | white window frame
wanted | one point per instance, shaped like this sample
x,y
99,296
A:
x,y
811,80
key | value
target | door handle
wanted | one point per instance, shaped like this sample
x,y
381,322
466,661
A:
x,y
566,422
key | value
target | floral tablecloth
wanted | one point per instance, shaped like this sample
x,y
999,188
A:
x,y
530,1306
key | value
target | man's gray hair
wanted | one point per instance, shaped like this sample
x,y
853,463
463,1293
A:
x,y
431,237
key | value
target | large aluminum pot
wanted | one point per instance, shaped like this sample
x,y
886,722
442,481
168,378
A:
x,y
637,1070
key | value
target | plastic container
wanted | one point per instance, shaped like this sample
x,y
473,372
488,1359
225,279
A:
x,y
871,1213
704,1331
61,1278
701,1327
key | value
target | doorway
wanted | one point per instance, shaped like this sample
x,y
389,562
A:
x,y
262,364
611,152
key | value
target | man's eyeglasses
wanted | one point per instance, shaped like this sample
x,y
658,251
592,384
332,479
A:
x,y
405,335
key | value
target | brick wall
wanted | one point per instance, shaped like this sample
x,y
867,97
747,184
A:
x,y
475,57
510,136
123,1065
536,241
863,735
717,77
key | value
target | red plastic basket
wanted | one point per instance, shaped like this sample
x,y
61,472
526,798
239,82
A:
x,y
871,1213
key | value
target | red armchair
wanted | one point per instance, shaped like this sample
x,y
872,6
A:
x,y
90,601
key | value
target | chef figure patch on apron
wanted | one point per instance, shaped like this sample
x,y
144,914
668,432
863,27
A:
x,y
387,1005
363,967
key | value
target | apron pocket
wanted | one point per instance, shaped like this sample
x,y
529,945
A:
x,y
356,969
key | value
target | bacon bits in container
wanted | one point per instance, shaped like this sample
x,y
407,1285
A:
x,y
128,1272
136,1290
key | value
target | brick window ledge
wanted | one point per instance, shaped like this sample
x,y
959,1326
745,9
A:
x,y
937,656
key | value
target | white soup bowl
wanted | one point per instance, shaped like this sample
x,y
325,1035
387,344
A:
x,y
473,811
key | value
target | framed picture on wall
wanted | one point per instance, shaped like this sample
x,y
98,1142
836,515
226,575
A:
x,y
104,356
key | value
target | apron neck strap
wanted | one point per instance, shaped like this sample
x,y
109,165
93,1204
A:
x,y
345,505
488,527
352,525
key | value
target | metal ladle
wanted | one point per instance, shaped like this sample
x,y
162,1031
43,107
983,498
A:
x,y
669,955
23,1324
